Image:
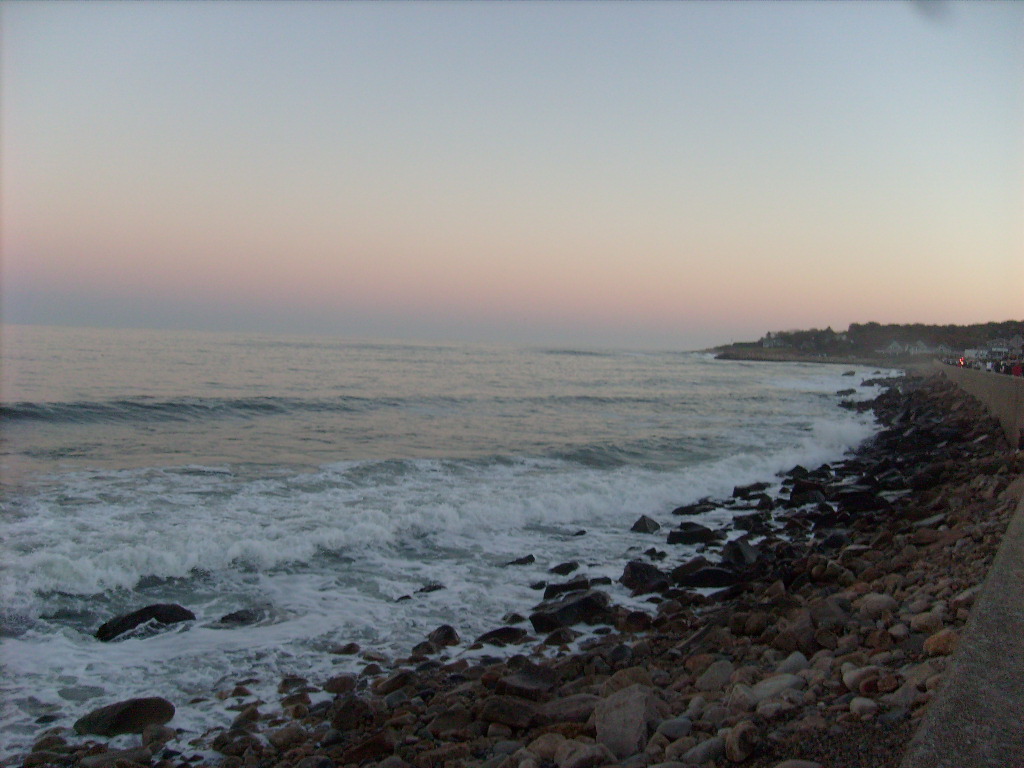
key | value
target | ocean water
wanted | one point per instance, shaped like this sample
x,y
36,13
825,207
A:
x,y
317,481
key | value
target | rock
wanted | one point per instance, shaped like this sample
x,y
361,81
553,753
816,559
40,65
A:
x,y
752,695
693,533
531,682
512,711
589,607
290,736
710,576
643,577
874,605
698,508
130,716
162,613
138,755
860,705
794,663
503,636
621,720
573,754
942,643
740,553
675,728
564,569
579,584
443,636
576,708
527,560
706,751
340,684
741,741
745,491
451,720
396,681
546,746
155,736
798,764
645,525
374,747
350,712
241,617
46,759
716,676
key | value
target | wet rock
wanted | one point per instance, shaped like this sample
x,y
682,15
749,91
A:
x,y
564,569
162,613
740,553
693,533
526,560
643,577
243,617
644,524
589,607
711,576
443,636
130,716
580,584
698,508
503,636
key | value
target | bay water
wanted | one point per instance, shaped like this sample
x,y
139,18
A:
x,y
343,491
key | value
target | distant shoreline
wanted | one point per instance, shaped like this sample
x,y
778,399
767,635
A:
x,y
777,355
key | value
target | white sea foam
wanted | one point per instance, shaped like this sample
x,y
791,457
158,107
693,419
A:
x,y
324,546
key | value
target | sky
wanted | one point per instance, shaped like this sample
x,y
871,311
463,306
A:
x,y
611,174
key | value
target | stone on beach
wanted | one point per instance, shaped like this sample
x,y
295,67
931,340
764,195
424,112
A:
x,y
162,613
587,607
129,716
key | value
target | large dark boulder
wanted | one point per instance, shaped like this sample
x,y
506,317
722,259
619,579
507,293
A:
x,y
740,553
694,533
644,524
162,613
590,607
130,716
643,577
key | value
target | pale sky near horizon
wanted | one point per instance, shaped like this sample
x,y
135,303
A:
x,y
648,174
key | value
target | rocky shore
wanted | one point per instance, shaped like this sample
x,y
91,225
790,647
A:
x,y
811,632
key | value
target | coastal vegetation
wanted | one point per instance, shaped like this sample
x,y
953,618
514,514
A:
x,y
875,342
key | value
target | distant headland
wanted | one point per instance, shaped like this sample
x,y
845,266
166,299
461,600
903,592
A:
x,y
877,344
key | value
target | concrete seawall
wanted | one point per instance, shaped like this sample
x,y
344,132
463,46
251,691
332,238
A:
x,y
976,719
1002,395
